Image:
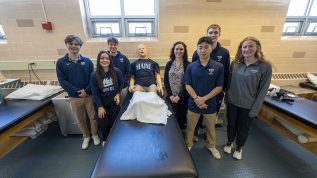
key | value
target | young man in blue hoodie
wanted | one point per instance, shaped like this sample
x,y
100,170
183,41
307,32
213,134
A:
x,y
73,73
121,62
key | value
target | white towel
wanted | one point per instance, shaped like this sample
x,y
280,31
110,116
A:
x,y
34,92
147,107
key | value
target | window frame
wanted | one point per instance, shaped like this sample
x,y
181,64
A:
x,y
304,21
2,36
123,21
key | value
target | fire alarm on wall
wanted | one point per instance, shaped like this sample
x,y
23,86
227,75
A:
x,y
47,25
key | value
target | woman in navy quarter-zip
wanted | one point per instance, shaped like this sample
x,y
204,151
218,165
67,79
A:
x,y
249,80
106,86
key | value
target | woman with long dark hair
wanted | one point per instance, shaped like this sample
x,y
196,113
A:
x,y
173,81
106,85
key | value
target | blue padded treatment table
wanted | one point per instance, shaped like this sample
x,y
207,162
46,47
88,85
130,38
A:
x,y
304,111
302,115
15,111
15,115
136,150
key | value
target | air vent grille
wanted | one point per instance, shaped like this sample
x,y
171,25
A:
x,y
290,76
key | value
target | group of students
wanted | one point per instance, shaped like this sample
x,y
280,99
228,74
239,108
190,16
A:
x,y
198,87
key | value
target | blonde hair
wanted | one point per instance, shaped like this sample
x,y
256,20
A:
x,y
258,54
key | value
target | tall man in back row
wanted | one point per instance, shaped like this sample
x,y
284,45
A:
x,y
121,62
221,55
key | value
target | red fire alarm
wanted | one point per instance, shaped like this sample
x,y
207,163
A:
x,y
47,25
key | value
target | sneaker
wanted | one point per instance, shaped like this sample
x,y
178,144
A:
x,y
96,139
103,143
238,154
85,144
227,149
189,148
215,152
195,139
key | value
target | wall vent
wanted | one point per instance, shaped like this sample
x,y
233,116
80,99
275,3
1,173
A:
x,y
291,76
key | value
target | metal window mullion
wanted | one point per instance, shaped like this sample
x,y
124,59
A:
x,y
122,26
88,19
307,8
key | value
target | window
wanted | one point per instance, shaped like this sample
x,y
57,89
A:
x,y
122,18
2,35
301,18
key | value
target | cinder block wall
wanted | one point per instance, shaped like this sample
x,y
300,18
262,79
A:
x,y
178,20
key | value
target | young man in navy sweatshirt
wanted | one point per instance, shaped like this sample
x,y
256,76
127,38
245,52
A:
x,y
73,73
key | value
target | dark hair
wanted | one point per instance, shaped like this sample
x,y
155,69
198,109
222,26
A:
x,y
205,39
113,40
70,38
258,54
100,73
172,54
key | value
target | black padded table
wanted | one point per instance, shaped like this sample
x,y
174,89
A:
x,y
303,110
15,111
138,150
302,115
15,115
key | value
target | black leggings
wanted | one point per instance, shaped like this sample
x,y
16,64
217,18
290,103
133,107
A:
x,y
180,110
112,111
239,124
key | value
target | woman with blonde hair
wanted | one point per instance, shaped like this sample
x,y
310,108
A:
x,y
249,79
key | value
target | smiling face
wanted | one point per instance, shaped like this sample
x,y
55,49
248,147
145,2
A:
x,y
204,50
214,33
179,51
73,47
105,61
113,48
141,51
248,49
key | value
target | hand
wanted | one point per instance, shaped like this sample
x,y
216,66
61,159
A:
x,y
172,98
131,88
117,99
160,90
203,106
199,100
82,93
101,112
176,99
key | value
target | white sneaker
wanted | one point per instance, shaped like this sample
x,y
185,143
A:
x,y
227,149
103,143
215,152
96,139
85,144
238,154
189,148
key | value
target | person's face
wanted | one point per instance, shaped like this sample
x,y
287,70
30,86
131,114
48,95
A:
x,y
142,51
113,47
104,60
179,51
214,34
248,49
204,50
73,47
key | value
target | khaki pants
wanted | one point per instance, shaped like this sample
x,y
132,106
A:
x,y
83,107
209,120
